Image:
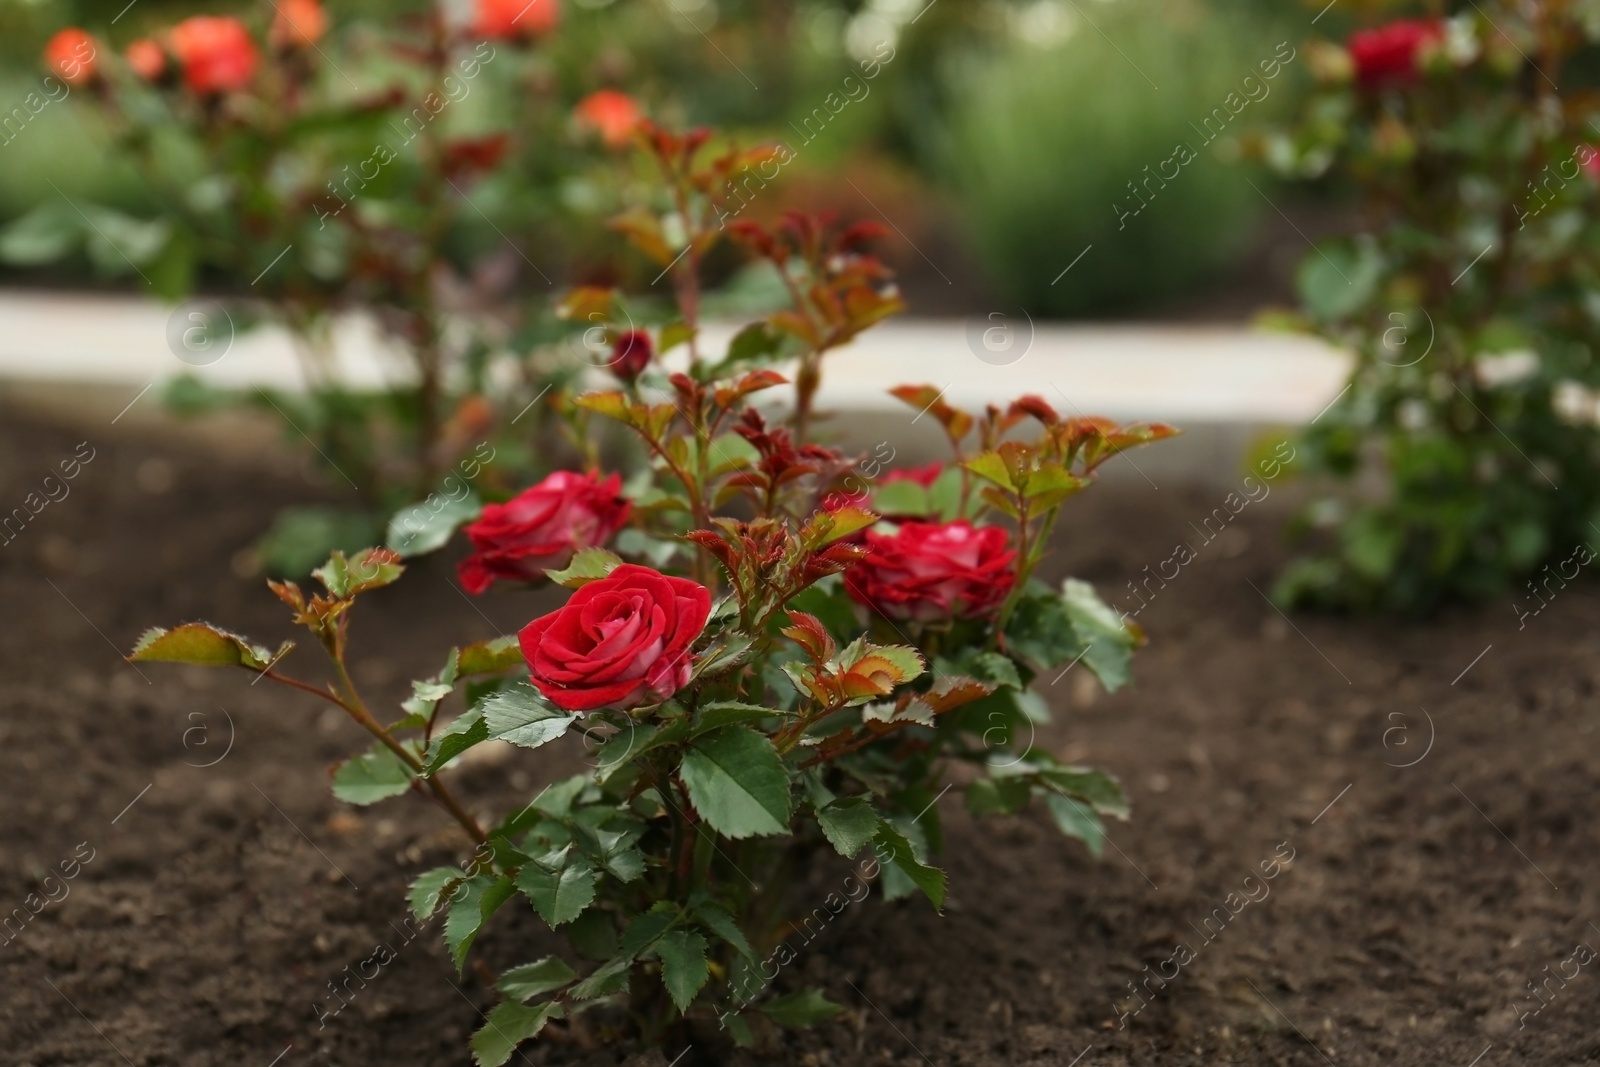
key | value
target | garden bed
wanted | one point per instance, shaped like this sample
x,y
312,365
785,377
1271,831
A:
x,y
226,887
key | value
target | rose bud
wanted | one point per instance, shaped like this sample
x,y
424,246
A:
x,y
71,54
503,20
631,354
147,59
934,571
1388,55
215,52
539,529
620,642
298,23
613,115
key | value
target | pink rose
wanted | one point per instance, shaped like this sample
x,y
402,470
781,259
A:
x,y
934,571
539,529
620,642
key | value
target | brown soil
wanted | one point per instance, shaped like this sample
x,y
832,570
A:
x,y
216,908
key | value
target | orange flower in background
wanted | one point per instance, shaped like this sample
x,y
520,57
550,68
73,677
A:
x,y
216,53
298,24
147,59
505,19
612,114
71,54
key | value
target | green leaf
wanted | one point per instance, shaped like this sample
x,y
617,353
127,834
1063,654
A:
x,y
588,564
1109,640
370,777
430,889
722,713
464,731
1338,280
902,498
848,824
427,692
647,929
674,334
523,717
559,890
989,796
805,1008
737,783
426,527
203,645
721,922
991,466
531,979
508,1025
1075,819
43,235
683,965
893,847
606,980
370,568
490,657
1094,787
479,898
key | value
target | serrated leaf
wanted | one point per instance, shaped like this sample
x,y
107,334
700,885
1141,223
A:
x,y
683,965
588,565
1076,819
1109,641
646,929
722,713
737,782
479,898
721,922
606,980
1005,796
507,1026
561,894
370,777
427,527
203,645
370,568
1095,787
523,717
891,843
532,979
804,1008
465,731
490,657
849,824
992,467
430,888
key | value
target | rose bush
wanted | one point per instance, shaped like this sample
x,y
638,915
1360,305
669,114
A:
x,y
754,685
1465,142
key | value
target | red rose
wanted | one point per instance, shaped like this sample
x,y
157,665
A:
x,y
147,59
930,571
631,354
1388,54
70,54
216,53
505,19
619,642
612,114
539,529
923,476
298,23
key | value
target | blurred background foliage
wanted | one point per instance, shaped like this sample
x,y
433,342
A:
x,y
998,138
